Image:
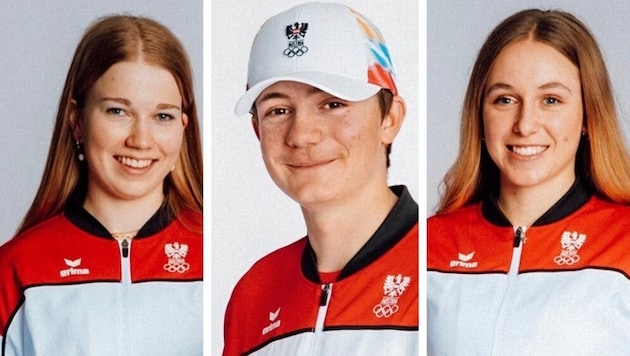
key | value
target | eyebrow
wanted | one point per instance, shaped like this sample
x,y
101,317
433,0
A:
x,y
280,95
550,85
161,106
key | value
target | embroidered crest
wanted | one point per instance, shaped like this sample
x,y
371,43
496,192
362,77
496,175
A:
x,y
176,254
393,288
295,34
571,242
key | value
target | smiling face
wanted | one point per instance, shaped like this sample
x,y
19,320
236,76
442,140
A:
x,y
319,148
532,116
131,128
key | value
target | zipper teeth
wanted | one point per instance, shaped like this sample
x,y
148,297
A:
x,y
515,263
324,302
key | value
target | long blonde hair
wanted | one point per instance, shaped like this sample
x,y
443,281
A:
x,y
602,158
108,41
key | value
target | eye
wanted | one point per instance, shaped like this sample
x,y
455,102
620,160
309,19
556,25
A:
x,y
116,111
278,111
551,100
165,117
504,100
334,105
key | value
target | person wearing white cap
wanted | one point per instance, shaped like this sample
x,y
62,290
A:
x,y
321,91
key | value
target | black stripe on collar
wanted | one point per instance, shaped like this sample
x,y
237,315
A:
x,y
82,219
402,217
572,200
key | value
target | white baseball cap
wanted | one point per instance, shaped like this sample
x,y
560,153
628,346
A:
x,y
325,45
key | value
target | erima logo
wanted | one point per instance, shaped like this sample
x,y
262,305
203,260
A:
x,y
274,324
73,270
464,261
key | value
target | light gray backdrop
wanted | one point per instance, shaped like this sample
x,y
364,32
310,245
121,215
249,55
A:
x,y
38,41
250,215
456,31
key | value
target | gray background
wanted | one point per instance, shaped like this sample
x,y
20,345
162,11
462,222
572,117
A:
x,y
456,31
38,41
250,215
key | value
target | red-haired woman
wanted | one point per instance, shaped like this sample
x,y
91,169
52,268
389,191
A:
x,y
108,259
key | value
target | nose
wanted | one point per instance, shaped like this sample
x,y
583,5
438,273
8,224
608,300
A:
x,y
304,130
526,120
140,136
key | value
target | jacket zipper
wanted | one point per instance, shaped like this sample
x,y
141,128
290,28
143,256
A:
x,y
519,236
125,269
324,301
125,248
518,242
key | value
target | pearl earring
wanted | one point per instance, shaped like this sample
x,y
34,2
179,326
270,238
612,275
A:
x,y
81,156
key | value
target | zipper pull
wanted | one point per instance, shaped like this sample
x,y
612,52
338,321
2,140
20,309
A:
x,y
519,236
125,248
323,300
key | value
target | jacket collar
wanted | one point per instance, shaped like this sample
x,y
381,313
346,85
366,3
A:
x,y
572,200
402,217
81,218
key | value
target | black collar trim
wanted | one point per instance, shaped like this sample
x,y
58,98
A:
x,y
572,200
402,218
82,219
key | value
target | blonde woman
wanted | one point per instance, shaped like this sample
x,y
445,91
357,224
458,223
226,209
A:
x,y
526,254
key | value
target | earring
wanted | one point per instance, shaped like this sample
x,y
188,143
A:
x,y
81,156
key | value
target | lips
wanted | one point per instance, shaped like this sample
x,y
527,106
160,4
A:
x,y
308,164
527,150
133,162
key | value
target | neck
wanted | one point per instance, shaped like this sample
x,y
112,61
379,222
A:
x,y
122,216
524,205
338,233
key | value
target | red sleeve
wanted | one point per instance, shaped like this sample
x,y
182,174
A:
x,y
233,343
11,291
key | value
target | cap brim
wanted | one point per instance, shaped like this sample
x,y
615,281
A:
x,y
341,87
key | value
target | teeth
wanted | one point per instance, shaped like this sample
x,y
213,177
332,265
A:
x,y
528,151
135,163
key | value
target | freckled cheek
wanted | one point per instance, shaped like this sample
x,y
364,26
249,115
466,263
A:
x,y
272,135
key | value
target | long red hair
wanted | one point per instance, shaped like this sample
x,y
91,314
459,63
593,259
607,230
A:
x,y
108,41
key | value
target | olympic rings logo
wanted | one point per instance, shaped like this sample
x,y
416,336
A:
x,y
180,267
566,259
384,310
293,51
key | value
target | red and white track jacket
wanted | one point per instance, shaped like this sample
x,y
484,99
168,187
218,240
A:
x,y
68,288
559,287
280,307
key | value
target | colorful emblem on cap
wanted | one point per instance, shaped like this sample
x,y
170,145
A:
x,y
381,70
295,34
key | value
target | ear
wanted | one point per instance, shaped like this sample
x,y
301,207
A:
x,y
184,120
393,120
75,121
255,126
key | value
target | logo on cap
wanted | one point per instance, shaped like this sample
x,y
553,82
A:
x,y
295,34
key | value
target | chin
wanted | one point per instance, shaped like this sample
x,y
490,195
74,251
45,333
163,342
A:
x,y
310,195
